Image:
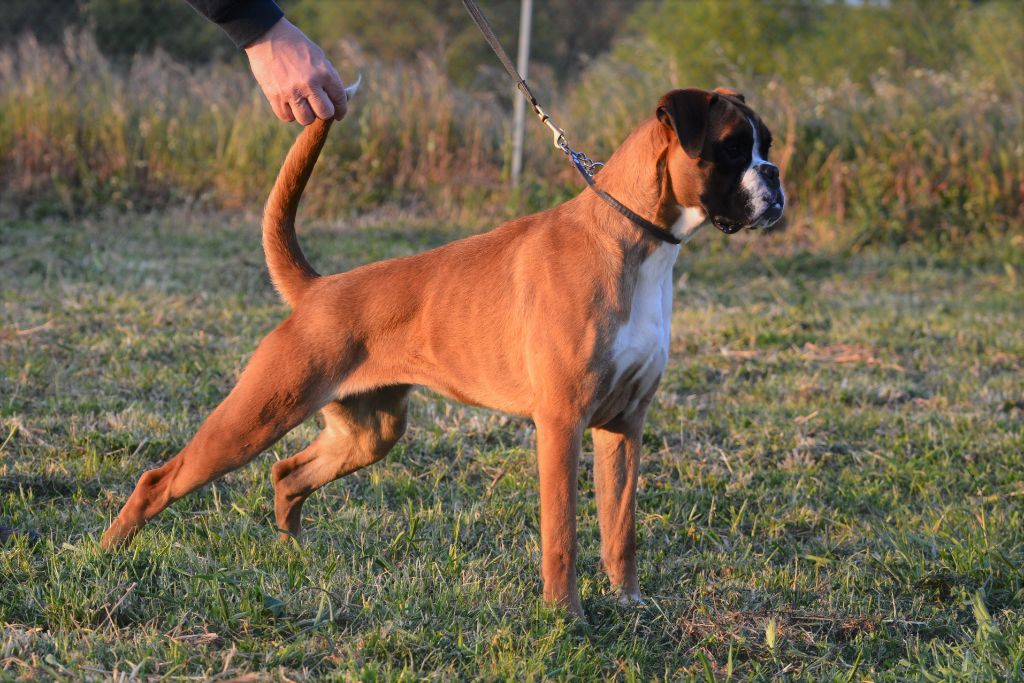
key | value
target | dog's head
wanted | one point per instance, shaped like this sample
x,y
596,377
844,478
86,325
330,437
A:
x,y
721,162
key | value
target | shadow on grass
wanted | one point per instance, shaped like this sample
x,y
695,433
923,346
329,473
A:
x,y
49,488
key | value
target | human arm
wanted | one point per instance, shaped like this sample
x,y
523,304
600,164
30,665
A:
x,y
296,77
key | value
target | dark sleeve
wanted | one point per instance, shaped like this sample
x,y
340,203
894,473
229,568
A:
x,y
243,20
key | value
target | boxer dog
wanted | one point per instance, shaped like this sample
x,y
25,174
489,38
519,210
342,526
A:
x,y
562,316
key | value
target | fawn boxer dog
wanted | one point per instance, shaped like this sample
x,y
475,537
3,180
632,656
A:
x,y
562,316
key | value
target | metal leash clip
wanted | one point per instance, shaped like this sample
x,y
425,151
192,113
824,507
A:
x,y
558,135
580,159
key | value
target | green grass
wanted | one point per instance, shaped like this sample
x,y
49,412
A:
x,y
832,488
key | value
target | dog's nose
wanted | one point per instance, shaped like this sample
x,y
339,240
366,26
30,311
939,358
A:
x,y
769,171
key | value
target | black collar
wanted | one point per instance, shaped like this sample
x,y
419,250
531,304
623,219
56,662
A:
x,y
652,229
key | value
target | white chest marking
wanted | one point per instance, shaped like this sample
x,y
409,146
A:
x,y
690,221
640,350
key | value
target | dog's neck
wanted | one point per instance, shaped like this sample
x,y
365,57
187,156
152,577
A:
x,y
646,188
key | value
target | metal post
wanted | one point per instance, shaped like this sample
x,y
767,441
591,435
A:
x,y
523,62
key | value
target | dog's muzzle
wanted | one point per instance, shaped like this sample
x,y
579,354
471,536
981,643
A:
x,y
771,197
776,204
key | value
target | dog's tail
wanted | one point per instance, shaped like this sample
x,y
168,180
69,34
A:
x,y
289,269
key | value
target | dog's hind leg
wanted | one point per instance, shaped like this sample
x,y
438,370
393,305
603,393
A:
x,y
358,431
282,385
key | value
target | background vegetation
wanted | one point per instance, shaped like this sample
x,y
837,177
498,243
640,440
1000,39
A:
x,y
894,121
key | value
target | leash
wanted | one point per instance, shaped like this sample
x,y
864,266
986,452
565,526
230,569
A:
x,y
586,166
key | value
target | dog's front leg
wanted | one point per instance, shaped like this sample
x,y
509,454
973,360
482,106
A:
x,y
616,458
558,454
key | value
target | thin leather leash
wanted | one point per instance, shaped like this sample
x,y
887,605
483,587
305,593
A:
x,y
584,164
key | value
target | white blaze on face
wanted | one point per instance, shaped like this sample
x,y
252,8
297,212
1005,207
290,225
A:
x,y
760,196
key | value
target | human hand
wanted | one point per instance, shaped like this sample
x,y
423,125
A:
x,y
295,76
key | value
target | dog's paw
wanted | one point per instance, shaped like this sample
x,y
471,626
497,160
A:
x,y
116,536
629,598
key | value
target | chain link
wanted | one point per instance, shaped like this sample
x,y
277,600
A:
x,y
580,158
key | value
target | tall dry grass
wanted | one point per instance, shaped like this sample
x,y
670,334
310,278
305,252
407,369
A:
x,y
79,134
903,156
906,155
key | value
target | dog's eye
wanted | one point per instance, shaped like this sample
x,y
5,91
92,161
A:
x,y
733,149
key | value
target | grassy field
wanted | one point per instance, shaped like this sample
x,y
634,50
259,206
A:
x,y
833,487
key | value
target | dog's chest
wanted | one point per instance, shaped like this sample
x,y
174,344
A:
x,y
640,347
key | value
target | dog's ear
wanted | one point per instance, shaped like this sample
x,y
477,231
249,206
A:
x,y
729,92
688,112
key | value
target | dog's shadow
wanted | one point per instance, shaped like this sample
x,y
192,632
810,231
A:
x,y
49,488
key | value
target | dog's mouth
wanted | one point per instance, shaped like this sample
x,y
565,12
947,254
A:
x,y
769,216
725,225
766,219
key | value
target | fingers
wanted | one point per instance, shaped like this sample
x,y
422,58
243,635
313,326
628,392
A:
x,y
301,110
306,108
335,90
296,77
320,103
281,109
